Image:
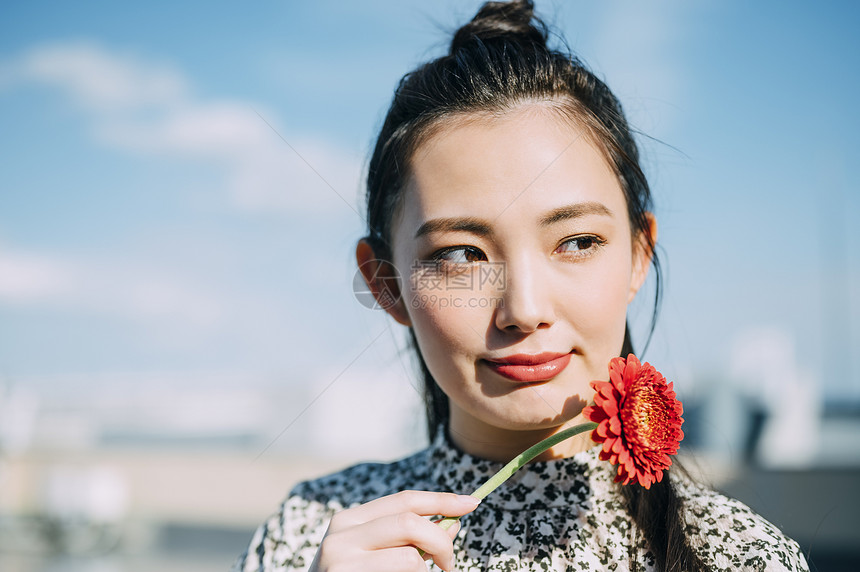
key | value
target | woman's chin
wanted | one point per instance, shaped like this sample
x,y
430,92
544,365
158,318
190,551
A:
x,y
549,416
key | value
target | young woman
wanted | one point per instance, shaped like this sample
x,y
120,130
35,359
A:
x,y
505,187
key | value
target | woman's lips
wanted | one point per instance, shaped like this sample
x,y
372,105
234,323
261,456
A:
x,y
530,368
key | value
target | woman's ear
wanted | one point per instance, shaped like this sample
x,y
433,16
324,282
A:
x,y
643,253
383,280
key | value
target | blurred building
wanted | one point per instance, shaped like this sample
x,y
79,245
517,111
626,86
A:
x,y
151,473
173,473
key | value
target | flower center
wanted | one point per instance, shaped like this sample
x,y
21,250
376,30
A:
x,y
645,417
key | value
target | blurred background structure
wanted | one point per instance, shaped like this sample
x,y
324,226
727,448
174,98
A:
x,y
179,201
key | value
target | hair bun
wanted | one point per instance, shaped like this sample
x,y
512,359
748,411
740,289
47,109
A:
x,y
513,21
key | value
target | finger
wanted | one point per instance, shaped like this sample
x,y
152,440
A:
x,y
452,530
399,559
424,503
404,558
398,530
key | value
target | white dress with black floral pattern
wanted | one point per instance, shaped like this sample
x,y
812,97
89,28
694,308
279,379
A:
x,y
563,514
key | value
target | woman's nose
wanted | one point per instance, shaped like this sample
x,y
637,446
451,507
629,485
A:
x,y
525,301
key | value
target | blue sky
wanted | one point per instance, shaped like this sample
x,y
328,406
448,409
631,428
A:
x,y
152,221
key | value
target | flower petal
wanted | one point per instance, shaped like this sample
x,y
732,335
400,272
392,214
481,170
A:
x,y
639,420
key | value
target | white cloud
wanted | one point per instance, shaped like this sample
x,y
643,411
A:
x,y
201,129
98,79
27,277
150,109
262,171
149,296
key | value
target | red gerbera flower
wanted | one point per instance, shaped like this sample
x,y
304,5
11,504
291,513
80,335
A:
x,y
639,421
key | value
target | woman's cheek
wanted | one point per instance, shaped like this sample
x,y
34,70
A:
x,y
597,305
454,322
444,347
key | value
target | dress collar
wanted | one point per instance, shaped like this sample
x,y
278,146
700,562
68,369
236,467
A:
x,y
538,485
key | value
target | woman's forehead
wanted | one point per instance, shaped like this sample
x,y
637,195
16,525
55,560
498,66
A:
x,y
525,161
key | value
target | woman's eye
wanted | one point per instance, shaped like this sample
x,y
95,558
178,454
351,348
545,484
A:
x,y
581,245
459,255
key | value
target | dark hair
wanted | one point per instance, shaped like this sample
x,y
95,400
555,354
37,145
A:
x,y
498,61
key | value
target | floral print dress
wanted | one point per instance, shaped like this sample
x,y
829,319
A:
x,y
564,514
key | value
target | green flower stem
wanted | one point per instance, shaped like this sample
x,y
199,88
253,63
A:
x,y
505,473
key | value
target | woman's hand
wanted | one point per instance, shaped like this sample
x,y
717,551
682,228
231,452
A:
x,y
385,534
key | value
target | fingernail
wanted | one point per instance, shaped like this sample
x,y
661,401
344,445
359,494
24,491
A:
x,y
468,500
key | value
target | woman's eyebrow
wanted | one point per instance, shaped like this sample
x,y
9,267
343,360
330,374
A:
x,y
574,211
482,227
474,225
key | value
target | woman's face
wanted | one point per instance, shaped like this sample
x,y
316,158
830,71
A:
x,y
513,239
